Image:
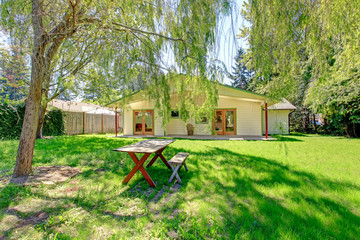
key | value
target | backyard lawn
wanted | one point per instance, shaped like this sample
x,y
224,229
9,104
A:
x,y
298,187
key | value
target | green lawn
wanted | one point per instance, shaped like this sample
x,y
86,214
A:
x,y
299,187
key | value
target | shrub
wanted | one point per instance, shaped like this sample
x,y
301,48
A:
x,y
54,123
11,120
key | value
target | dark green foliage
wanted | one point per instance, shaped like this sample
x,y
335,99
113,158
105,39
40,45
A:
x,y
11,120
343,119
307,52
301,120
54,123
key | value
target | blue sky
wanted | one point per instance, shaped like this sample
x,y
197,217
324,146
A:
x,y
228,44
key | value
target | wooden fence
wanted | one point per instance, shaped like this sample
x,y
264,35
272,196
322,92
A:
x,y
81,122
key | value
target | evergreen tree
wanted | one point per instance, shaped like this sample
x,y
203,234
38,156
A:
x,y
240,75
14,75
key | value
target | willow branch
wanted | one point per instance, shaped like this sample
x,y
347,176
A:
x,y
148,32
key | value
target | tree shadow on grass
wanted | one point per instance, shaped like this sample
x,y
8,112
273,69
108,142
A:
x,y
268,199
80,151
255,197
283,138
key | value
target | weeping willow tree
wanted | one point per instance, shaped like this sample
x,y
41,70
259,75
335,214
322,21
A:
x,y
307,50
66,36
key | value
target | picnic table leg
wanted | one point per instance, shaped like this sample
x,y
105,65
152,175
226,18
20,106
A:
x,y
159,154
164,160
139,166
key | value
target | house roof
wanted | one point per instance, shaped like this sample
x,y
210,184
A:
x,y
282,105
244,91
224,90
69,106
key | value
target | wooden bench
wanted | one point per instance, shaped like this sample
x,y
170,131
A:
x,y
176,163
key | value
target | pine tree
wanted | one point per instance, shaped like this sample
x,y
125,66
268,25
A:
x,y
241,75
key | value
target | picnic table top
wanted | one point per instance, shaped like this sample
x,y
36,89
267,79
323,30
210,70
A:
x,y
146,146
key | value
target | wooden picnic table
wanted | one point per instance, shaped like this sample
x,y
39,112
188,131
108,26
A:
x,y
147,147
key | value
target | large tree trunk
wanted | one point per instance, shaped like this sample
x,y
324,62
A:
x,y
41,121
41,71
24,158
25,152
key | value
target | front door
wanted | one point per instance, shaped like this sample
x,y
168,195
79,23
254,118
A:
x,y
224,122
144,122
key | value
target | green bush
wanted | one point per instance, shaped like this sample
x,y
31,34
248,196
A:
x,y
11,120
54,123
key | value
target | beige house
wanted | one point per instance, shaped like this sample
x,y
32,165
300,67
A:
x,y
238,112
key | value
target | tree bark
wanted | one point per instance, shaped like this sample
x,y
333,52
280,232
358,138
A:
x,y
25,152
41,121
40,72
314,122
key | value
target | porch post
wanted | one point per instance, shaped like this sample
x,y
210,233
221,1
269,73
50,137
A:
x,y
116,122
266,121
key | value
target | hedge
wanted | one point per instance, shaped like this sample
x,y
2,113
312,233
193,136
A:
x,y
11,120
54,123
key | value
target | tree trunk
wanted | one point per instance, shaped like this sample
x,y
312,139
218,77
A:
x,y
25,152
314,122
40,71
354,130
41,121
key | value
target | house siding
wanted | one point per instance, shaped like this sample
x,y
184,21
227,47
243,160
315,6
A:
x,y
248,115
178,127
129,117
278,122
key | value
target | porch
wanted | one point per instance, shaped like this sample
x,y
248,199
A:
x,y
203,137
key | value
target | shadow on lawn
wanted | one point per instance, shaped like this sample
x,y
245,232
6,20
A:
x,y
260,198
309,207
286,138
81,150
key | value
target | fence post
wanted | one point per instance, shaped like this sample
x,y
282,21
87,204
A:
x,y
116,122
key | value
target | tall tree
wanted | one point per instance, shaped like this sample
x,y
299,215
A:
x,y
306,47
133,30
240,75
14,77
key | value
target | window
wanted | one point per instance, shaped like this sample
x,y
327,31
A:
x,y
175,114
203,120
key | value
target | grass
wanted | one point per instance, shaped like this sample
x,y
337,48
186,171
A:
x,y
299,187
